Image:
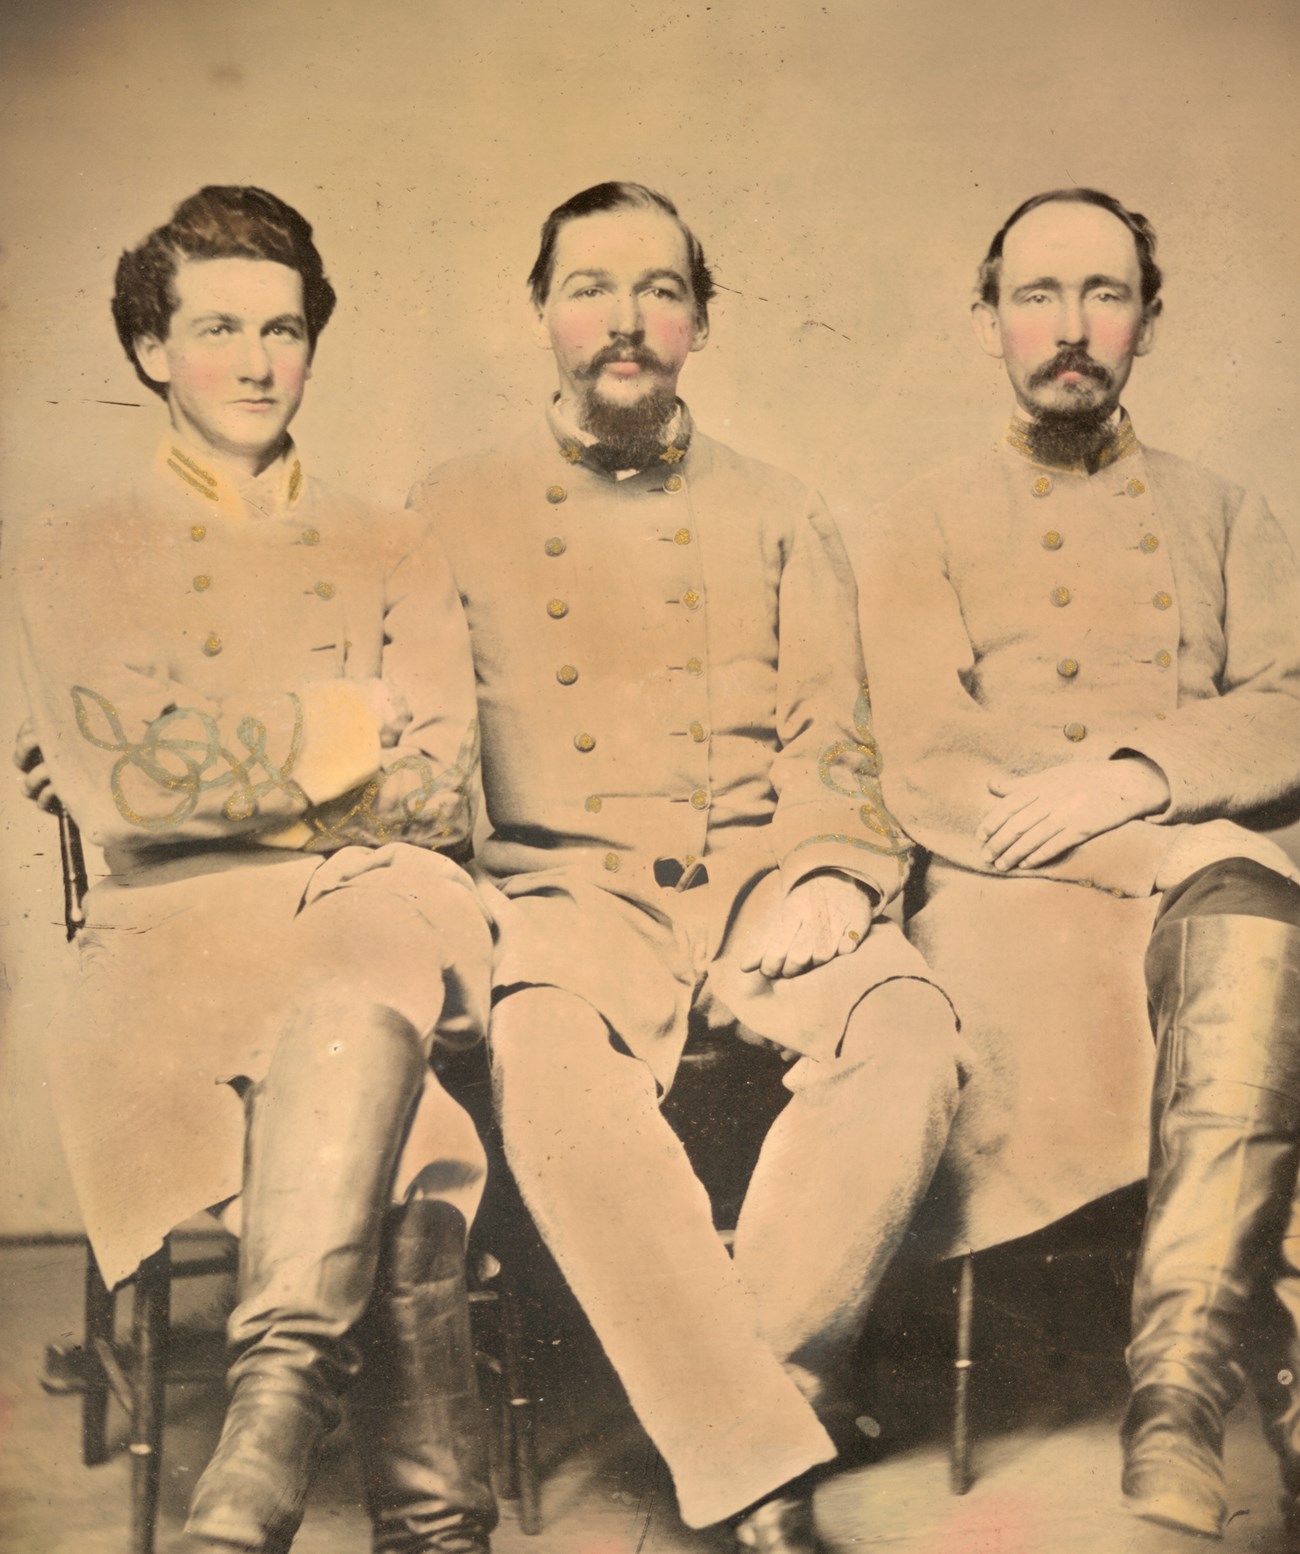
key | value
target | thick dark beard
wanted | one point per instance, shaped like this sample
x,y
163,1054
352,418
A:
x,y
1075,436
631,436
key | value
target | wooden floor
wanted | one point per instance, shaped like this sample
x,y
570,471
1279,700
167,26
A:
x,y
1049,1390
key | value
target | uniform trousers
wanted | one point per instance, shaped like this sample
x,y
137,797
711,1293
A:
x,y
725,1362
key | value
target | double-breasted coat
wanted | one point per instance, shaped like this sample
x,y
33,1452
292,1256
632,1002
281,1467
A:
x,y
196,654
1015,617
674,730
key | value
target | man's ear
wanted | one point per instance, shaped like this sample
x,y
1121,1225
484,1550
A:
x,y
1147,330
701,337
152,356
541,334
988,330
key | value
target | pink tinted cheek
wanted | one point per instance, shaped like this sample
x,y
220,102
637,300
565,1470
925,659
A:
x,y
203,371
1114,338
576,334
1030,337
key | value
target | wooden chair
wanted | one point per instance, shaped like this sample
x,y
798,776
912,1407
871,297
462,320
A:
x,y
135,1371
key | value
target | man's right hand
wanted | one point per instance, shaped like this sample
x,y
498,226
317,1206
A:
x,y
390,709
1213,841
35,774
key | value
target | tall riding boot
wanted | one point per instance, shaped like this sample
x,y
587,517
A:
x,y
1283,1420
325,1129
1225,1146
419,1426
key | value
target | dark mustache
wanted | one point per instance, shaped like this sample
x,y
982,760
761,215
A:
x,y
1070,359
645,359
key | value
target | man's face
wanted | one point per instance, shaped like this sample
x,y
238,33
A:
x,y
620,316
236,356
1069,318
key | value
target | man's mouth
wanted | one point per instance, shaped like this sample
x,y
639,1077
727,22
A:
x,y
1070,368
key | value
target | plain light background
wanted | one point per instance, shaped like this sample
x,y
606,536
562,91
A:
x,y
844,164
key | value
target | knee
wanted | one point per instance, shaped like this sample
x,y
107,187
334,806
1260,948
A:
x,y
907,1031
1233,887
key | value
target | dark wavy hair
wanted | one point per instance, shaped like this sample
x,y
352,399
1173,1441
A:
x,y
219,222
1144,236
618,196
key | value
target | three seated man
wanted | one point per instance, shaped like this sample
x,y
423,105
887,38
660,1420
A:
x,y
265,711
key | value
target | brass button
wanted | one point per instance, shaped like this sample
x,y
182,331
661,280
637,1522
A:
x,y
689,859
694,666
1052,540
213,645
611,861
555,546
198,532
1068,668
593,804
1162,600
584,742
1134,486
674,483
1075,732
699,799
325,590
682,537
1042,485
311,536
1060,597
1150,542
557,609
555,495
691,599
566,674
1164,658
202,583
697,733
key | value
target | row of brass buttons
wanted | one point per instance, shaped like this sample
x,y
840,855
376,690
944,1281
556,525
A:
x,y
557,493
1043,486
1061,596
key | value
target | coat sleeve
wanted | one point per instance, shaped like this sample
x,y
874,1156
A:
x,y
424,790
830,812
141,759
1229,754
943,745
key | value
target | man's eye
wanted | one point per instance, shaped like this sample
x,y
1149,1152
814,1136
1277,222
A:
x,y
289,331
665,293
217,329
588,291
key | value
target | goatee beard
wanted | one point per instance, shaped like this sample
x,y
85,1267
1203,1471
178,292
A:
x,y
1076,436
630,436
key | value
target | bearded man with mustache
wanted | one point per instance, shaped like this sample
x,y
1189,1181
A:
x,y
1085,665
683,792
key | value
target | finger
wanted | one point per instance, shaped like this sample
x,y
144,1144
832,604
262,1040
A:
x,y
1014,804
1012,829
27,753
775,947
1037,836
49,801
851,938
799,957
1052,849
32,782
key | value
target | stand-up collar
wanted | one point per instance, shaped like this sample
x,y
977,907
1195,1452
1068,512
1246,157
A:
x,y
1123,442
580,447
272,493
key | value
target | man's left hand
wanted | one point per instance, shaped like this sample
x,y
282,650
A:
x,y
1039,817
823,916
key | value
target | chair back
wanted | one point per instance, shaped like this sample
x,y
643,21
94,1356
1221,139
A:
x,y
72,856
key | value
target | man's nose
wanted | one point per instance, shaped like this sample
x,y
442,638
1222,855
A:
x,y
1072,324
254,360
625,316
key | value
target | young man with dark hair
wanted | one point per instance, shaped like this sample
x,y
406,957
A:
x,y
1085,664
256,696
683,791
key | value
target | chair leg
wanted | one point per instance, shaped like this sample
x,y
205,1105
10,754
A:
x,y
521,1408
100,1308
959,1467
150,1320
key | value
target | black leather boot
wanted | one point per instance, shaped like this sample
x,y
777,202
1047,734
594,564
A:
x,y
1225,1147
419,1426
325,1128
